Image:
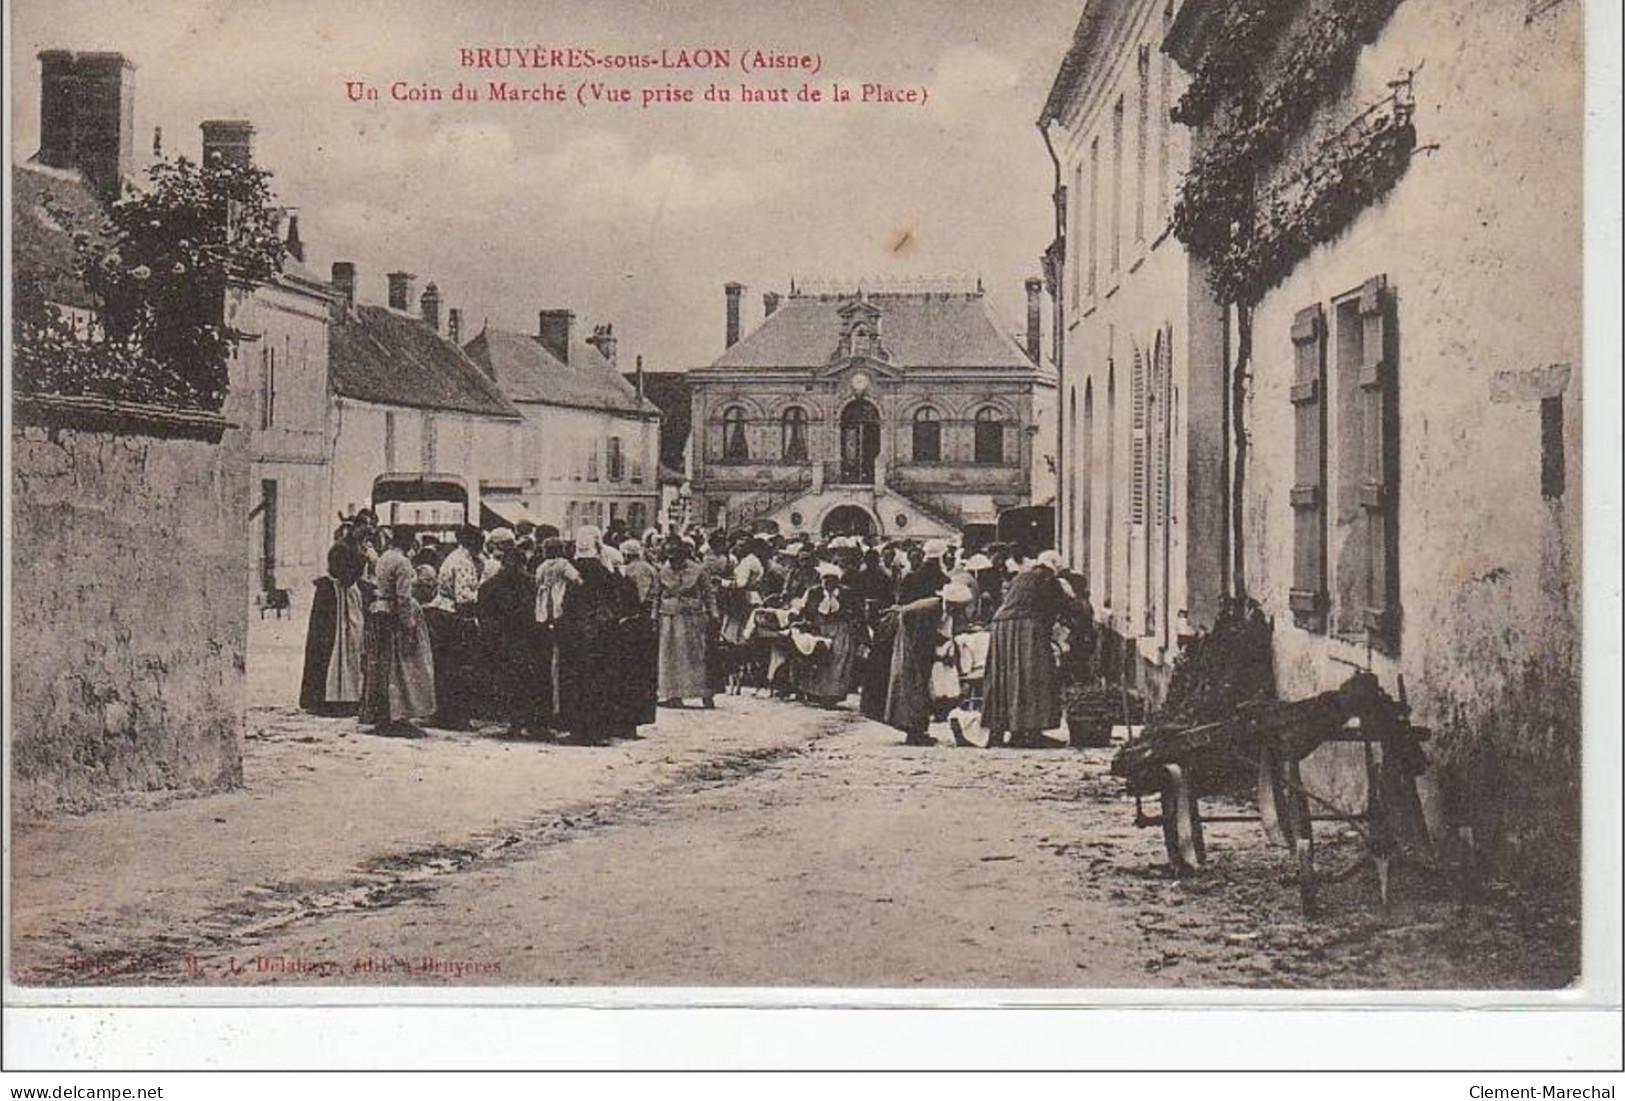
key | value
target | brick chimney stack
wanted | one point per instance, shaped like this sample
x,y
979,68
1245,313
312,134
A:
x,y
734,292
430,304
1035,287
87,117
604,339
344,281
553,331
454,326
400,290
296,247
770,304
228,141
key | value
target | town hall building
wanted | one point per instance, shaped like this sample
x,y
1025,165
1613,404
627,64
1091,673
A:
x,y
898,413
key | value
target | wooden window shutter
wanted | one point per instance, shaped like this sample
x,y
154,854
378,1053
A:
x,y
1138,474
1308,597
1379,487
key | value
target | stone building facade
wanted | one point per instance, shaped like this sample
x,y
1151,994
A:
x,y
590,448
898,413
407,400
1140,500
1388,359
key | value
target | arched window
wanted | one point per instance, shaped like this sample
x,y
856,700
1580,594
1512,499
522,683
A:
x,y
927,436
989,436
734,445
793,435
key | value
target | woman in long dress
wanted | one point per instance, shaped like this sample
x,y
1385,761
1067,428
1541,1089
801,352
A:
x,y
398,662
331,684
834,611
686,606
921,627
1021,693
594,706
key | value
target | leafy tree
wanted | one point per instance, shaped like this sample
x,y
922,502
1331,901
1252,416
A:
x,y
159,268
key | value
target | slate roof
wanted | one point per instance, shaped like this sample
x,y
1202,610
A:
x,y
41,243
527,372
670,391
382,356
919,330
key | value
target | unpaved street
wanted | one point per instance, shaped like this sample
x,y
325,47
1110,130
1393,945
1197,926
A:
x,y
763,844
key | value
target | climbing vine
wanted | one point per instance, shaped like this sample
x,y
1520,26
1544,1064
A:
x,y
1250,240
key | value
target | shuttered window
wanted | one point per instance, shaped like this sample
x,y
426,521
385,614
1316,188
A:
x,y
1379,446
1138,473
1308,597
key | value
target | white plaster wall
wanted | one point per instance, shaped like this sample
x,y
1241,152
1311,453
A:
x,y
1480,242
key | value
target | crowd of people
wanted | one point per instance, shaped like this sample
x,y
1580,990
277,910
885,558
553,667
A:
x,y
584,639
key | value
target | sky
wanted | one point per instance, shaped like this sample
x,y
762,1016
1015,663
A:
x,y
629,215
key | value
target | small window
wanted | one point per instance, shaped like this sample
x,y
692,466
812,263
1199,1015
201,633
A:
x,y
927,436
592,461
989,437
1553,475
793,433
735,448
389,441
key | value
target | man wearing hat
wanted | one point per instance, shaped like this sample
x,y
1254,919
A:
x,y
507,630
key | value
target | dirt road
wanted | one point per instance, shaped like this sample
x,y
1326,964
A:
x,y
762,844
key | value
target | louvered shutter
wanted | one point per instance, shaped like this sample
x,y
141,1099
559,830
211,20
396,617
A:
x,y
1308,597
1379,496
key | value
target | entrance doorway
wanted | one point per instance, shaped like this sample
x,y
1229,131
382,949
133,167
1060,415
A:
x,y
860,442
848,520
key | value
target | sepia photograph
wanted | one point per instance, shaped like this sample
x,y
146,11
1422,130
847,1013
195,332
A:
x,y
1078,496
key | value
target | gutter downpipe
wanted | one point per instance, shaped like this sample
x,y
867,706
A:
x,y
1058,322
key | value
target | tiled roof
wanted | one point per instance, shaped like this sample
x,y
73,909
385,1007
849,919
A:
x,y
382,356
670,391
527,372
919,330
41,244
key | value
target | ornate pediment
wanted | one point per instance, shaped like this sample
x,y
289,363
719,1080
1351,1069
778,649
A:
x,y
860,332
856,371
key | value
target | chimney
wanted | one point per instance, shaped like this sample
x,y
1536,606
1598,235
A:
x,y
770,304
640,378
228,141
296,247
554,333
430,303
734,291
400,290
344,281
603,338
87,117
454,326
1035,286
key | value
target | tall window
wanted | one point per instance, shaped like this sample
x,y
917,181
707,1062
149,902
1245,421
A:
x,y
615,459
1164,135
793,435
989,437
592,460
267,387
734,445
1077,233
389,441
1094,217
927,436
1117,186
1087,443
1070,475
1109,532
429,443
1142,141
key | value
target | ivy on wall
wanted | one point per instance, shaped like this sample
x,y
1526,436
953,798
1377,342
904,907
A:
x,y
1251,241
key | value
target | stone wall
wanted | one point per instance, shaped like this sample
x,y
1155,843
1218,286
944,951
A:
x,y
129,607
